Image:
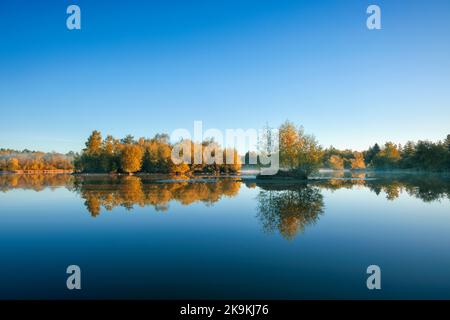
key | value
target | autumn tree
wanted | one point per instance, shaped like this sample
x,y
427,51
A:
x,y
131,158
300,154
13,164
178,162
180,169
91,158
310,157
290,141
110,154
388,157
358,161
151,156
3,164
94,143
157,154
335,162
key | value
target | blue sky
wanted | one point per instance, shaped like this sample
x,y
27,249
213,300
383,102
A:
x,y
143,67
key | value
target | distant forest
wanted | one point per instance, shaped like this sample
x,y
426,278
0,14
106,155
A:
x,y
300,155
421,155
27,160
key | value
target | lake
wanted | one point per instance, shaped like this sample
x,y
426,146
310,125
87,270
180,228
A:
x,y
230,238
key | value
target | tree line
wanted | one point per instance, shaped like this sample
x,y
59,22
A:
x,y
301,155
27,160
151,155
422,155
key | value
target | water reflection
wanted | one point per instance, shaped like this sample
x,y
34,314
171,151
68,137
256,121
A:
x,y
128,191
45,225
426,187
37,182
288,208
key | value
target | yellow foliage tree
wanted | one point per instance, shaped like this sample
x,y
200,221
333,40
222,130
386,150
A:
x,y
358,161
131,158
13,164
300,154
94,143
336,162
289,145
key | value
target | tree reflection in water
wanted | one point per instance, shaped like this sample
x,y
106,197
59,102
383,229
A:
x,y
37,182
286,208
129,191
426,187
289,208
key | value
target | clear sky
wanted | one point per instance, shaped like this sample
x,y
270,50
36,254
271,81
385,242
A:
x,y
143,67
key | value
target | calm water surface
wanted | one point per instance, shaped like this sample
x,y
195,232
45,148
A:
x,y
230,238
